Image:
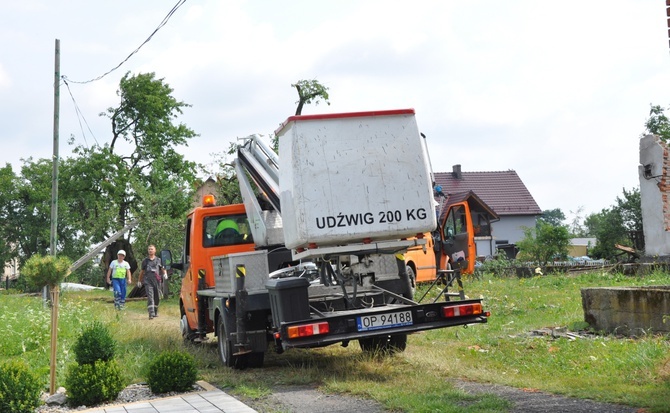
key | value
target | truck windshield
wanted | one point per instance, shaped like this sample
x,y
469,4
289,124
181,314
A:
x,y
226,230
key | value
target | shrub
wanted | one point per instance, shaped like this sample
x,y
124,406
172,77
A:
x,y
172,371
95,343
19,389
90,384
42,270
499,267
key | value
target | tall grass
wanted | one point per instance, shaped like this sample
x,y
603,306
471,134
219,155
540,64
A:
x,y
25,324
503,351
605,368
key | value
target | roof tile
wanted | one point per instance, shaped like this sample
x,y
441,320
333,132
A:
x,y
503,191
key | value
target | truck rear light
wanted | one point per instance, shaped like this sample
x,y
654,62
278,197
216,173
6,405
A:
x,y
461,310
306,330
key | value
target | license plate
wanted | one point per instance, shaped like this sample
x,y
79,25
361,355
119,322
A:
x,y
381,321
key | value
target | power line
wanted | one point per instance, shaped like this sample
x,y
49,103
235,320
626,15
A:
x,y
162,23
80,116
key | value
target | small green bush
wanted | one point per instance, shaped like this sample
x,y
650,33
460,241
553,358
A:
x,y
19,389
499,267
42,270
90,384
95,343
172,371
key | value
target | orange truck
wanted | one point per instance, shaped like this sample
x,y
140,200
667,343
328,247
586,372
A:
x,y
313,257
452,244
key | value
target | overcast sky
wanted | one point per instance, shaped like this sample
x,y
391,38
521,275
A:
x,y
557,91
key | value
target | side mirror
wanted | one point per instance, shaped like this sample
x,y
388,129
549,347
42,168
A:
x,y
166,259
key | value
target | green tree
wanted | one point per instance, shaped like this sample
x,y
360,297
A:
x,y
591,224
619,224
30,214
630,208
609,232
310,91
26,209
658,123
553,217
145,177
542,243
8,250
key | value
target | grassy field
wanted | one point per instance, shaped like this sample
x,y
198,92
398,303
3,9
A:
x,y
635,372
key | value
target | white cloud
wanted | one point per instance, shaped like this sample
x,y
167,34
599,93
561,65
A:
x,y
5,81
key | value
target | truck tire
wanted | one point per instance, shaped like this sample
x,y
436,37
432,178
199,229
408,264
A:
x,y
225,346
412,281
186,332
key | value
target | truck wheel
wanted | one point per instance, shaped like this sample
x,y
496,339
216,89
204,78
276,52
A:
x,y
186,332
225,346
412,281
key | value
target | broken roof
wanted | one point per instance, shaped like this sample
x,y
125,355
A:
x,y
475,203
503,191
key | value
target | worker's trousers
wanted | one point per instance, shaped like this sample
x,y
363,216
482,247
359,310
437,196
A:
x,y
152,287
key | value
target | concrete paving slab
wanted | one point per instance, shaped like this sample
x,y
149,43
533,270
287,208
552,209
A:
x,y
211,400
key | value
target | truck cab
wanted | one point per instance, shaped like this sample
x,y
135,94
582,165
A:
x,y
210,231
452,244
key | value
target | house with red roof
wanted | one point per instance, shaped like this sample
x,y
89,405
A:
x,y
505,193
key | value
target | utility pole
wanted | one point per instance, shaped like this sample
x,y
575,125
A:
x,y
54,217
54,178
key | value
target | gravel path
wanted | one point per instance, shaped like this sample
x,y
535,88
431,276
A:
x,y
538,402
306,399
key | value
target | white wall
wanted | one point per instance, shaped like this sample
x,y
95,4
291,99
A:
x,y
653,187
510,228
485,246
